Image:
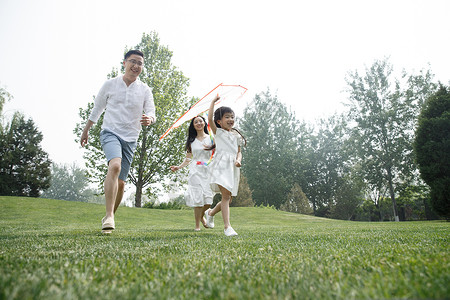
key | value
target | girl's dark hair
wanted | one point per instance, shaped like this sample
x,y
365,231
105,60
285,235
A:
x,y
192,133
131,52
218,114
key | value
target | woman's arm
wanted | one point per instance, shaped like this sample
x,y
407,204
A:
x,y
186,161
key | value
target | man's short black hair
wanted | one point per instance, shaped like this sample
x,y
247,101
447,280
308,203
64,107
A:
x,y
131,52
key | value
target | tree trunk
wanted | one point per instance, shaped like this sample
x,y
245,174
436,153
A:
x,y
378,212
391,192
138,197
140,172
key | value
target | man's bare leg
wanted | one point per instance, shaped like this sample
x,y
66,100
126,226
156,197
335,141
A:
x,y
119,196
112,185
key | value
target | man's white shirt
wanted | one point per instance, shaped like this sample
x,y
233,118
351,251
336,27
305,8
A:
x,y
124,107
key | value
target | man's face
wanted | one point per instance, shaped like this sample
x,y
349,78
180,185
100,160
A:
x,y
133,65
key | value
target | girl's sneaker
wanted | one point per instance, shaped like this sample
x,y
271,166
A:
x,y
209,219
230,231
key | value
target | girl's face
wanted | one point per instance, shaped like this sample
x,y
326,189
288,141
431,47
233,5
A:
x,y
199,124
227,121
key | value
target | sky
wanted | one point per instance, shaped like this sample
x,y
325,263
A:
x,y
56,54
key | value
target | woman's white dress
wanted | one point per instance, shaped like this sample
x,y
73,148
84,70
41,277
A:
x,y
222,168
199,192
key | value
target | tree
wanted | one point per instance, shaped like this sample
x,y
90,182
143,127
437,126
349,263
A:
x,y
271,132
297,202
4,97
346,198
152,157
244,196
383,113
415,203
68,183
328,164
432,148
367,211
24,167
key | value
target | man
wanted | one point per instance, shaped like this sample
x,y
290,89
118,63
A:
x,y
125,98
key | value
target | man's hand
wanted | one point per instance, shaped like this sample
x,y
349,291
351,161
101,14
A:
x,y
84,138
147,120
85,135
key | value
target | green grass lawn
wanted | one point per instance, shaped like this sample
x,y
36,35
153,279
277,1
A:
x,y
53,249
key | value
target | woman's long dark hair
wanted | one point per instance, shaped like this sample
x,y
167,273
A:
x,y
218,114
192,133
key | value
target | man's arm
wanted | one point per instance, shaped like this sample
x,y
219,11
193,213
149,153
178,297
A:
x,y
149,116
85,134
99,107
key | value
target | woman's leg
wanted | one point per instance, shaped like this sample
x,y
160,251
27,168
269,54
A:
x,y
198,214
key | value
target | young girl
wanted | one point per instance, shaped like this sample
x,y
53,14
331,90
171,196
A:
x,y
199,194
225,166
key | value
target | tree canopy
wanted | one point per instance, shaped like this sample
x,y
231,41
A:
x,y
432,145
383,111
25,166
68,183
271,132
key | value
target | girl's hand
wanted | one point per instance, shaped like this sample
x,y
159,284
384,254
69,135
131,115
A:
x,y
174,168
237,163
216,98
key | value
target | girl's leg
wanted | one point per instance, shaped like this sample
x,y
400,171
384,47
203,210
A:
x,y
225,206
216,209
202,218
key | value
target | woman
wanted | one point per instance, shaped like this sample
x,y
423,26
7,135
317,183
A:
x,y
199,194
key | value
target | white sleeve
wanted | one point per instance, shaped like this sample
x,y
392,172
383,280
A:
x,y
99,103
149,105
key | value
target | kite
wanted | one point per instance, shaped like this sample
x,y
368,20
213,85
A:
x,y
227,94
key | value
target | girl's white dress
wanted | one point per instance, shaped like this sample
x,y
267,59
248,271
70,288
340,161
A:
x,y
199,192
222,168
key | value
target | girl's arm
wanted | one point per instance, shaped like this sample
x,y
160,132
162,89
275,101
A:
x,y
211,114
237,163
186,161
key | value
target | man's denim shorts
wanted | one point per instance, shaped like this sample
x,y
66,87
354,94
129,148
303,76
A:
x,y
114,147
